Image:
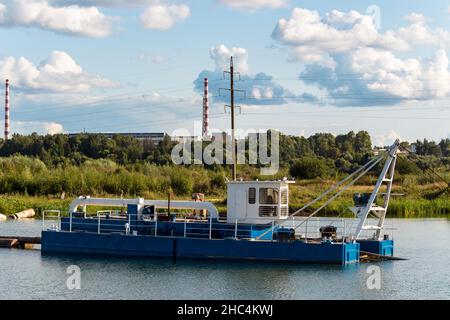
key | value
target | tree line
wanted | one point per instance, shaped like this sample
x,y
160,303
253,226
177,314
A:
x,y
126,149
320,155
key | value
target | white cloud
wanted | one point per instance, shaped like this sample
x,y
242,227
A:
x,y
2,12
337,32
28,127
221,56
256,93
314,38
383,72
359,65
254,4
374,77
163,17
259,89
386,139
418,32
58,73
73,19
107,3
415,17
261,92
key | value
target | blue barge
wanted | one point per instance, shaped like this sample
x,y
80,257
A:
x,y
125,236
194,248
259,230
257,225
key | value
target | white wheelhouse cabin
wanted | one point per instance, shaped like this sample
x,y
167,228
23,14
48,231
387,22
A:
x,y
257,202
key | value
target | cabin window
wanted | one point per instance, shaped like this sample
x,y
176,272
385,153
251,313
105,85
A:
x,y
268,211
284,196
251,195
268,196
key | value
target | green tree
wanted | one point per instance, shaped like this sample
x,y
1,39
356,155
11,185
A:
x,y
445,147
324,145
309,168
405,166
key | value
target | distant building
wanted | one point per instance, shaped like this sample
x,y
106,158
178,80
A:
x,y
185,138
155,137
413,148
376,151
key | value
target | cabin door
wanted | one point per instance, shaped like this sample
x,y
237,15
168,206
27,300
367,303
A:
x,y
240,204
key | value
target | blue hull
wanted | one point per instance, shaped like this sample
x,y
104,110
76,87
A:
x,y
383,247
194,248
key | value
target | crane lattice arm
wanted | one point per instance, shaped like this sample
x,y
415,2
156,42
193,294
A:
x,y
379,211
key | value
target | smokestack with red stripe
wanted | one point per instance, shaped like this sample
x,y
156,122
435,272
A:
x,y
205,126
7,110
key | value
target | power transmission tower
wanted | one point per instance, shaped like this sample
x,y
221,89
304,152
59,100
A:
x,y
232,90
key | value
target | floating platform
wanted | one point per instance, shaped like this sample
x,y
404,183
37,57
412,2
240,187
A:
x,y
197,248
18,241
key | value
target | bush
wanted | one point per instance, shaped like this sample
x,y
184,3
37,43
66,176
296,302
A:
x,y
218,181
405,166
309,168
181,183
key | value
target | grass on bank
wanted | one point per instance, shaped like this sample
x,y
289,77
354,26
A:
x,y
401,207
28,183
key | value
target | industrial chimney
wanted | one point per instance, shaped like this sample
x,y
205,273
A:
x,y
7,110
205,127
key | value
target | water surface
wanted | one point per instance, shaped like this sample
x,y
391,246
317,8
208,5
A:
x,y
25,274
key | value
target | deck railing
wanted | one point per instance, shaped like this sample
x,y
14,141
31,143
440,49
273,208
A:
x,y
51,215
306,229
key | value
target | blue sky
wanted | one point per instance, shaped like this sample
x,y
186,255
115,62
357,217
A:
x,y
307,66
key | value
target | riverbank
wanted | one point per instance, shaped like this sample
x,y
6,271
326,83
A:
x,y
405,206
15,203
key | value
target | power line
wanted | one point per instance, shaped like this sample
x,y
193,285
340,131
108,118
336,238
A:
x,y
326,115
144,123
109,98
126,96
76,117
364,109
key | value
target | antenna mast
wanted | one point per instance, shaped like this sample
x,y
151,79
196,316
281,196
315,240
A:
x,y
232,107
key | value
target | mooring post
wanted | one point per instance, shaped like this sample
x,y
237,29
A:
x,y
235,228
168,206
306,231
184,226
273,222
129,224
70,224
210,226
344,231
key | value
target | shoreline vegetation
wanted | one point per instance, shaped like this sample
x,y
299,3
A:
x,y
398,208
48,172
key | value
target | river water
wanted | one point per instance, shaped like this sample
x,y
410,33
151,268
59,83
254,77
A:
x,y
25,274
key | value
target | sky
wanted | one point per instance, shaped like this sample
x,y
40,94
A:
x,y
305,66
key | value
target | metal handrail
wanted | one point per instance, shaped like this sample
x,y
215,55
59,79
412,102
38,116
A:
x,y
309,227
58,217
111,213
